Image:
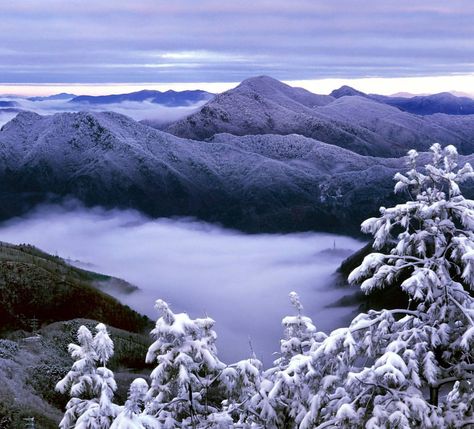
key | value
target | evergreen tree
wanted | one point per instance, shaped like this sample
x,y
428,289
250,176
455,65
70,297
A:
x,y
187,365
131,415
285,393
91,388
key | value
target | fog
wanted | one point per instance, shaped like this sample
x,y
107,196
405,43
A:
x,y
157,113
241,281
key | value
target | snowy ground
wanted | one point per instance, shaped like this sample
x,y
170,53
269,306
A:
x,y
242,281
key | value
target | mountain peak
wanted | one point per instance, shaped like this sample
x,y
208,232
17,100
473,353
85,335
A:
x,y
263,81
346,90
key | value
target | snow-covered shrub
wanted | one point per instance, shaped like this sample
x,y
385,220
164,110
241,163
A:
x,y
8,349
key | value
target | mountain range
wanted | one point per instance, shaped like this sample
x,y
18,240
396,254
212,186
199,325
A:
x,y
443,102
168,98
306,161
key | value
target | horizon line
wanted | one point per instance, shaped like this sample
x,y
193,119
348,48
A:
x,y
381,85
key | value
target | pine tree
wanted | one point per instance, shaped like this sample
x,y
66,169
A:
x,y
132,416
243,383
432,259
91,388
284,397
187,365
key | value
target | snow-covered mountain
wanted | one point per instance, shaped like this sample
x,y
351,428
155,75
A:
x,y
443,102
361,124
265,182
60,96
168,98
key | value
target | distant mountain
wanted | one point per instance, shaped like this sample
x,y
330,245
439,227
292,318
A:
x,y
8,103
168,98
443,102
61,96
358,123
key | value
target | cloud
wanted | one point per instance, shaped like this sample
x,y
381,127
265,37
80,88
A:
x,y
108,41
157,113
241,281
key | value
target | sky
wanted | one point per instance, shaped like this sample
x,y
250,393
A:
x,y
96,46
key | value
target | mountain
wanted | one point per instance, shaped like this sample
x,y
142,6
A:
x,y
36,285
168,98
254,183
8,103
43,302
61,96
346,91
444,102
361,124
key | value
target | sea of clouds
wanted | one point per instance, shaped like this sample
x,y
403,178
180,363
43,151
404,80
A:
x,y
145,110
242,281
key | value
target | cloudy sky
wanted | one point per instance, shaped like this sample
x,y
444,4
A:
x,y
213,41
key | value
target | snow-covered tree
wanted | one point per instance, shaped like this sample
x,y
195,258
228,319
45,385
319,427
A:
x,y
376,373
132,416
283,398
91,388
299,334
243,383
187,366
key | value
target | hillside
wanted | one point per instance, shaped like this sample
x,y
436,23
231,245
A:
x,y
349,119
35,285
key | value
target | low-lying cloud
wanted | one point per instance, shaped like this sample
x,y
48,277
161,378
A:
x,y
242,281
144,110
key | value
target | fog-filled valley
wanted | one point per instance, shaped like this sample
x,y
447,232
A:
x,y
242,281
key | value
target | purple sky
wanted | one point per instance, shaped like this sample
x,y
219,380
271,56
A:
x,y
134,41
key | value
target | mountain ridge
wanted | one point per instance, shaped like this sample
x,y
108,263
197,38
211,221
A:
x,y
168,98
253,183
